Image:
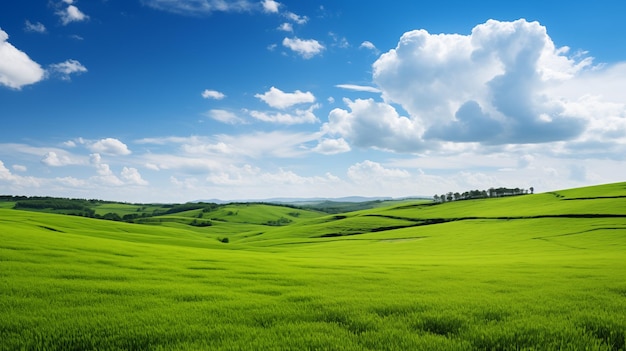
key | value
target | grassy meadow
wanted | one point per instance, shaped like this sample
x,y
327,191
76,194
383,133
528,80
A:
x,y
533,272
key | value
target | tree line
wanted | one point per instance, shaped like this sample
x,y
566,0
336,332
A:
x,y
482,194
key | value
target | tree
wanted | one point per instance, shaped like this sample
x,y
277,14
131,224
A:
x,y
436,198
532,190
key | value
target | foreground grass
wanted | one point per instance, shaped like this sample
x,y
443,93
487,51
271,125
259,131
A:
x,y
71,283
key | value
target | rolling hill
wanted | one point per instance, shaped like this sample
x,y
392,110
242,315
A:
x,y
543,271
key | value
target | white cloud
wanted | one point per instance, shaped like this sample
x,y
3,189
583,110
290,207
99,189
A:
x,y
340,42
297,117
20,168
332,146
375,124
213,94
251,176
52,159
272,144
278,99
363,88
71,14
491,86
16,181
132,176
370,172
270,6
110,146
200,7
67,68
286,27
368,45
105,175
71,182
37,27
16,68
296,18
257,145
307,48
225,116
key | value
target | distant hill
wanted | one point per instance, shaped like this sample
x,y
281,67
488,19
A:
x,y
314,200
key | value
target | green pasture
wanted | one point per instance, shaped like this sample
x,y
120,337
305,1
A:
x,y
518,273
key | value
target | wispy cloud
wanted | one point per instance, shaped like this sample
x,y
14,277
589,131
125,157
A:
x,y
37,27
296,18
204,7
298,116
67,68
225,116
355,87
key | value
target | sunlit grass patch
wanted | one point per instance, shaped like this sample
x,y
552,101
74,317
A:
x,y
541,283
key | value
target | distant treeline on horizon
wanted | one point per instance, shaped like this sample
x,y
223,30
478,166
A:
x,y
482,194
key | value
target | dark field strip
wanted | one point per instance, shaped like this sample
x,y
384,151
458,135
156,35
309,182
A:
x,y
596,197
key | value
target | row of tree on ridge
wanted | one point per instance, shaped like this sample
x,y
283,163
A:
x,y
482,194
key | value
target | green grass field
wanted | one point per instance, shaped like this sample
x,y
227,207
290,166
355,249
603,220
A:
x,y
533,272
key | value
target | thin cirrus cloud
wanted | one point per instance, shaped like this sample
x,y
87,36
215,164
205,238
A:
x,y
202,7
361,88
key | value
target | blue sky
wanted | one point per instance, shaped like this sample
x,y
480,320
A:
x,y
179,100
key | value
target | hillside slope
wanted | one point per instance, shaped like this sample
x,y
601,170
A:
x,y
541,271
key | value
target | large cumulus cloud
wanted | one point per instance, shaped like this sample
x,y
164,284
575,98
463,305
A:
x,y
494,86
